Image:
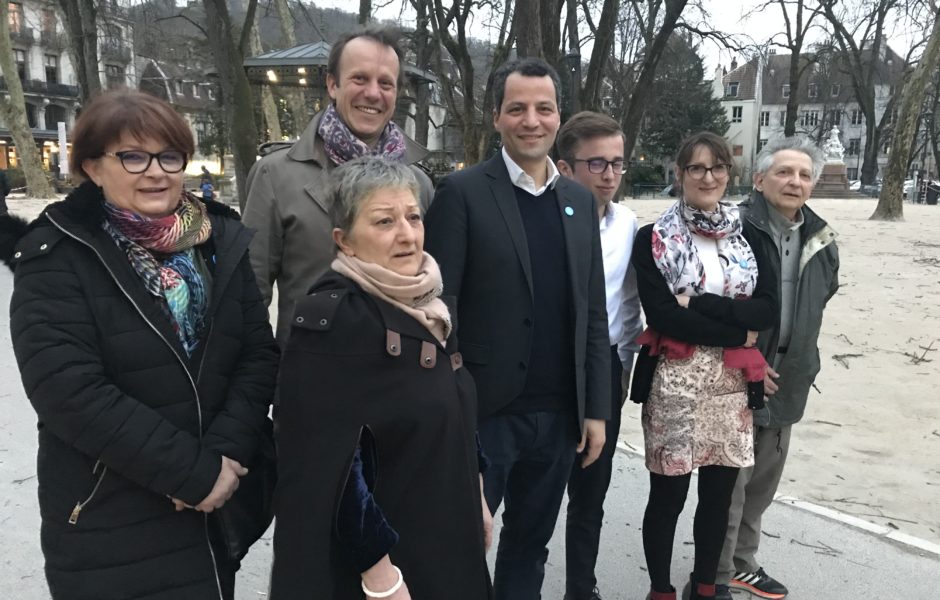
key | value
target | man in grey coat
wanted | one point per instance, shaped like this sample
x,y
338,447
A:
x,y
805,260
288,202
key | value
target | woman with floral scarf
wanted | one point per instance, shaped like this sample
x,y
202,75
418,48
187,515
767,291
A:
x,y
146,351
699,374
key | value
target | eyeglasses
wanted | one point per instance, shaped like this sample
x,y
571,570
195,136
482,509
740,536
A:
x,y
599,165
138,161
719,171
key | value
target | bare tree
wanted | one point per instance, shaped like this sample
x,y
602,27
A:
x,y
527,23
13,111
861,38
365,11
268,106
233,83
604,34
295,97
890,201
81,24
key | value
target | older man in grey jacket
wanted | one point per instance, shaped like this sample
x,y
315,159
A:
x,y
288,202
805,261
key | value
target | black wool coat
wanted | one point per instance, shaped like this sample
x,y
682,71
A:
x,y
126,419
353,362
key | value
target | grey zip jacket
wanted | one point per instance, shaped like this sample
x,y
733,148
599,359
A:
x,y
818,282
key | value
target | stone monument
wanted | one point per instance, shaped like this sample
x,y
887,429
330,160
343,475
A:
x,y
833,182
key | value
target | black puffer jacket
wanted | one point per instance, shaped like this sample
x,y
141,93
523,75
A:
x,y
125,417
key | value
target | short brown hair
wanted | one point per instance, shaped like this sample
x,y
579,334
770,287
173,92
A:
x,y
112,114
715,143
586,125
385,36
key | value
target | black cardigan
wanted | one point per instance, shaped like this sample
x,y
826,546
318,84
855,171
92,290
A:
x,y
710,319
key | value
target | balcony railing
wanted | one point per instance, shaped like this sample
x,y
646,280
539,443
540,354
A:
x,y
37,86
116,52
53,40
22,35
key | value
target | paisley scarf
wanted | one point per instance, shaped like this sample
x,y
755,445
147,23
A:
x,y
342,145
162,252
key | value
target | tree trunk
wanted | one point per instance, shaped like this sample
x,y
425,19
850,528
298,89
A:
x,y
793,102
13,111
603,41
643,90
295,97
422,49
81,23
528,37
890,201
365,11
268,107
236,93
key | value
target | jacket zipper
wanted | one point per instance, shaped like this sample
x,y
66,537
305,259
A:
x,y
78,507
73,518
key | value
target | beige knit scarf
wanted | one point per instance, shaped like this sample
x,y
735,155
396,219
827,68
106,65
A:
x,y
418,296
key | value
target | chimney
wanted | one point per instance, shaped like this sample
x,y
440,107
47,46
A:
x,y
734,63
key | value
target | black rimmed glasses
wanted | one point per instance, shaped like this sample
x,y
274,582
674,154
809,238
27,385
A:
x,y
719,171
599,165
138,161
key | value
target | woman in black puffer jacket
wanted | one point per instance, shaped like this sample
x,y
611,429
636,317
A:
x,y
146,351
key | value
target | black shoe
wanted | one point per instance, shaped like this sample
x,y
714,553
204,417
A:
x,y
723,592
760,584
595,595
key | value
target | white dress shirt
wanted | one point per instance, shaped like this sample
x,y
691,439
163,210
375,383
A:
x,y
524,181
618,228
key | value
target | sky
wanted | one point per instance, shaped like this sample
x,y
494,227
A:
x,y
731,16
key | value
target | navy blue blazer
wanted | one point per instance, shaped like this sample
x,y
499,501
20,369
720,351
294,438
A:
x,y
474,229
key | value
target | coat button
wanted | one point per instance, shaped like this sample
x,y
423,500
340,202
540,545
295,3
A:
x,y
393,348
334,295
300,319
323,322
44,246
427,360
17,255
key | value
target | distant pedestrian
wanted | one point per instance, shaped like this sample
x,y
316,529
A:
x,y
208,192
698,374
803,262
4,191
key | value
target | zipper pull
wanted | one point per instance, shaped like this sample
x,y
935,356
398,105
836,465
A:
x,y
73,518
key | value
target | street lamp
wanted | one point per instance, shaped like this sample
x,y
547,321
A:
x,y
573,62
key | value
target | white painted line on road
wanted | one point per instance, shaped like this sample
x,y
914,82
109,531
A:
x,y
829,513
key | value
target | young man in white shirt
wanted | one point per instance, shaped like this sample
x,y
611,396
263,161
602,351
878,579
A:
x,y
590,150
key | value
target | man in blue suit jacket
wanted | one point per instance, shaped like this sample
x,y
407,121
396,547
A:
x,y
519,247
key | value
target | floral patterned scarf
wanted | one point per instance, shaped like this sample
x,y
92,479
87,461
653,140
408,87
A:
x,y
342,145
162,252
677,258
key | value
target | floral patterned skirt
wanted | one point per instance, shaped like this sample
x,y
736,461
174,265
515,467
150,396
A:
x,y
697,415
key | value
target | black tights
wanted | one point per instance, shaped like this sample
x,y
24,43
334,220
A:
x,y
667,497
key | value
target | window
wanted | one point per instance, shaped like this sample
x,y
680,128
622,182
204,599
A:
x,y
732,90
783,118
857,117
809,118
52,68
761,144
115,76
786,91
210,93
19,57
835,117
834,90
737,113
852,173
812,90
886,148
855,145
765,118
195,90
48,21
15,17
737,150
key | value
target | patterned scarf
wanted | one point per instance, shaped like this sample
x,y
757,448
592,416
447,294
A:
x,y
162,253
677,257
342,145
418,296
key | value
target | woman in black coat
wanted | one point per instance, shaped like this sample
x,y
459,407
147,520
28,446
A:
x,y
379,491
146,351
